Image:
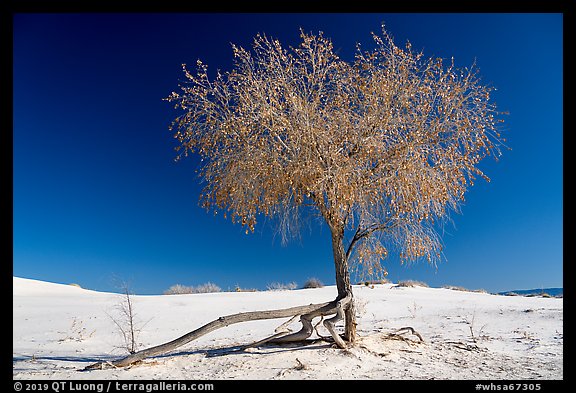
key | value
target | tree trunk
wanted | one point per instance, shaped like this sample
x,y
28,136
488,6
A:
x,y
343,283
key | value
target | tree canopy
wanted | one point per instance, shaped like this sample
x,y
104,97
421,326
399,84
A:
x,y
384,146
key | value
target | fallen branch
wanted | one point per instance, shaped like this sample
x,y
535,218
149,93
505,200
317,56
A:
x,y
307,313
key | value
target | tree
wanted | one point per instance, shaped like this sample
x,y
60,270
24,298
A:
x,y
382,148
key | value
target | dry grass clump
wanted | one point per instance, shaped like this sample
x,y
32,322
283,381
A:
x,y
280,286
411,284
313,283
179,289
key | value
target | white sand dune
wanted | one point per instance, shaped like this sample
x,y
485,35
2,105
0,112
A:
x,y
59,329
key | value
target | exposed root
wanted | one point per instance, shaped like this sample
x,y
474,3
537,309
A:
x,y
325,338
280,331
263,341
399,334
299,367
464,346
308,328
302,334
329,323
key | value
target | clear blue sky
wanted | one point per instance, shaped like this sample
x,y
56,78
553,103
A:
x,y
98,197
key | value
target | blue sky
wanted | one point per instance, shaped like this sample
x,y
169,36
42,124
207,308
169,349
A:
x,y
98,199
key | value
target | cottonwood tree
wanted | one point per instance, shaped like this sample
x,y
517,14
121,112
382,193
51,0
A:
x,y
382,148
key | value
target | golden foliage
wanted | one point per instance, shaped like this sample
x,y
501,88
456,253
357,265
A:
x,y
387,144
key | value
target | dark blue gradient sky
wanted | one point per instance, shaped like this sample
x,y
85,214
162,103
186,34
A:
x,y
98,197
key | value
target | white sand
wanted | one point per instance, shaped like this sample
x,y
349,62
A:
x,y
59,329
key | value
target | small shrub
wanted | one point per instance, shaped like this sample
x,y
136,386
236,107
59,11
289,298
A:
x,y
313,283
186,290
206,288
127,323
178,289
278,286
411,284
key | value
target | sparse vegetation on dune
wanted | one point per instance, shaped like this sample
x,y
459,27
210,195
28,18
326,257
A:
x,y
179,289
313,283
279,286
411,284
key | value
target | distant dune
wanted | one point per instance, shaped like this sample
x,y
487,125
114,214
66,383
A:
x,y
556,292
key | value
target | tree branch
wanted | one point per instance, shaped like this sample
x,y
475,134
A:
x,y
365,232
